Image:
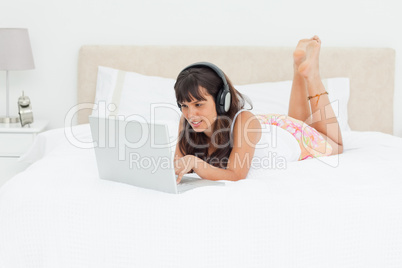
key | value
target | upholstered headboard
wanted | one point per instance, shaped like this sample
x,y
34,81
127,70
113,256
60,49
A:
x,y
370,70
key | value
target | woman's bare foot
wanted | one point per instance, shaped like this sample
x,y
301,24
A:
x,y
299,55
309,68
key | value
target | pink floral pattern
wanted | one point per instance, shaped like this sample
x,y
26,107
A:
x,y
311,142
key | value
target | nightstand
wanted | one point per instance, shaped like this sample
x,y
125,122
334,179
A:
x,y
14,142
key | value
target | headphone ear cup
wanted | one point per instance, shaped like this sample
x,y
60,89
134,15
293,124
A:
x,y
223,101
228,99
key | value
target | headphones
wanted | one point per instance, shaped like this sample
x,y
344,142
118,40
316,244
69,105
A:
x,y
223,97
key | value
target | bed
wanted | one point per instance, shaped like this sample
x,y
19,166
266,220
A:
x,y
337,211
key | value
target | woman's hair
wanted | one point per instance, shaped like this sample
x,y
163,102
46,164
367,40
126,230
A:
x,y
187,88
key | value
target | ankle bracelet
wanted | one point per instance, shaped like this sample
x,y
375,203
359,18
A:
x,y
318,95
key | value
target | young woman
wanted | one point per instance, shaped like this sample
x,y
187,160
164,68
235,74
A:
x,y
218,138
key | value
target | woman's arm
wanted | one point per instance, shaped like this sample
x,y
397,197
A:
x,y
247,133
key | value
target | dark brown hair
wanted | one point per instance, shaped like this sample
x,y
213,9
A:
x,y
187,88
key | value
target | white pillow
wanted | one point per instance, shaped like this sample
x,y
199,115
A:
x,y
273,97
145,98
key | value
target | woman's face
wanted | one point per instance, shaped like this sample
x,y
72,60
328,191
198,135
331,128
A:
x,y
200,114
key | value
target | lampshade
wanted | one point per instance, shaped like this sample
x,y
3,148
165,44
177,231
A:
x,y
15,49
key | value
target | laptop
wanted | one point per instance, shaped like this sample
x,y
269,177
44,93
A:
x,y
140,154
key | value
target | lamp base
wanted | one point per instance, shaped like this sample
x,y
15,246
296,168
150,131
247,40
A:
x,y
9,120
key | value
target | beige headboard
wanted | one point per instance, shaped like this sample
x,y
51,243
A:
x,y
371,72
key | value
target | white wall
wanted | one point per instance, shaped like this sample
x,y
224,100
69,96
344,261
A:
x,y
58,29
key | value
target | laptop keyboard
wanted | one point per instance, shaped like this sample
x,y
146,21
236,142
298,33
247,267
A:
x,y
188,183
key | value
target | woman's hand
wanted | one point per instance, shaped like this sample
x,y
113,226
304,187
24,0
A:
x,y
183,165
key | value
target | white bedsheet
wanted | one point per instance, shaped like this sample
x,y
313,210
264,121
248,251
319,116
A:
x,y
341,211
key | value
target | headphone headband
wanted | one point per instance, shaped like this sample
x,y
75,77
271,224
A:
x,y
223,97
211,66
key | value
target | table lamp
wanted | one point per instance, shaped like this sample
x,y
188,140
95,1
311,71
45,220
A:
x,y
15,54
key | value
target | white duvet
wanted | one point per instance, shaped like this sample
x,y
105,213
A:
x,y
338,211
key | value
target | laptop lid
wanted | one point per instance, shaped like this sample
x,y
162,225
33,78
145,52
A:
x,y
134,152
